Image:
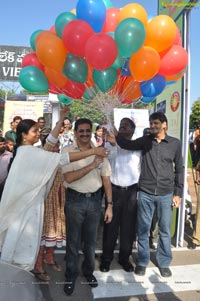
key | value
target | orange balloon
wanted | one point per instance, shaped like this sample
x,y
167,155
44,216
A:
x,y
160,32
133,10
56,78
89,82
50,50
111,21
144,64
130,89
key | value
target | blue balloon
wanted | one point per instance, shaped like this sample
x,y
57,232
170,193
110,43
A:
x,y
154,86
93,12
125,71
171,82
147,99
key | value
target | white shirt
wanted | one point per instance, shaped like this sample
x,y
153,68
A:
x,y
4,162
125,165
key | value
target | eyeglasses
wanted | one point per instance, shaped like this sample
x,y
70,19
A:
x,y
84,131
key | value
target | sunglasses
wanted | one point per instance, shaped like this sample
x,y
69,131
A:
x,y
84,131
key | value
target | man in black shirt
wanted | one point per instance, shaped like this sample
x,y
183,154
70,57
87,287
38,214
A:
x,y
161,182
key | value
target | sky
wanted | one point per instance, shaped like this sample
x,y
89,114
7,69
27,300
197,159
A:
x,y
20,18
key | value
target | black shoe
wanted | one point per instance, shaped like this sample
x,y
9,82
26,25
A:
x,y
127,266
69,287
140,270
104,266
165,272
192,246
91,280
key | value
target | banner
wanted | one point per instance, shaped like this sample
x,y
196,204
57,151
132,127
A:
x,y
27,110
174,8
10,61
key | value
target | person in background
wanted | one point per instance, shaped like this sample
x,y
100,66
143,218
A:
x,y
83,181
161,181
10,144
98,137
5,157
22,204
125,166
67,137
194,133
12,133
41,123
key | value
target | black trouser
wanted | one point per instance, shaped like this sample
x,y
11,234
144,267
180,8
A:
x,y
124,219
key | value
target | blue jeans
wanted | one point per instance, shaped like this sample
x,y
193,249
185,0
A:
x,y
82,219
146,204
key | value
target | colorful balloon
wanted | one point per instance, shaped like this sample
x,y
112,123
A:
x,y
147,99
111,20
93,12
33,38
33,79
65,99
56,77
75,68
73,89
75,36
129,36
105,79
174,61
130,89
100,51
108,3
31,59
153,87
50,50
144,64
160,32
133,10
62,20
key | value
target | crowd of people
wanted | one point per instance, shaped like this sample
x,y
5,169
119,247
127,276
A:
x,y
57,197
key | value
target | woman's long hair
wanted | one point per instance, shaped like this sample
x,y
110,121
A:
x,y
22,127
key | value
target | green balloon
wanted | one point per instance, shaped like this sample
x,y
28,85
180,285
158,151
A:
x,y
65,99
33,38
130,36
33,79
105,79
62,20
108,3
75,68
90,93
119,62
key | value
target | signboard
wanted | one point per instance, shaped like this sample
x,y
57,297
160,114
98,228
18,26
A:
x,y
10,61
174,8
27,110
140,118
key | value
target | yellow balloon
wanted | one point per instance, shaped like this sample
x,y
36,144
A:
x,y
160,32
73,11
133,10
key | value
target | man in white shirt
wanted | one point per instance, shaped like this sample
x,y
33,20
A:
x,y
125,167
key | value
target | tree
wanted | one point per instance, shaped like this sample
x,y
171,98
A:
x,y
195,115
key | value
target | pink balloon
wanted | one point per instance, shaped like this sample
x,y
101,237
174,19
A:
x,y
178,39
100,51
75,35
174,61
111,21
52,29
31,59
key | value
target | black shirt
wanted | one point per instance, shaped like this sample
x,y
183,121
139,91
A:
x,y
162,164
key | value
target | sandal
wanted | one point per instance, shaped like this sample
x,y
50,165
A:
x,y
41,275
54,265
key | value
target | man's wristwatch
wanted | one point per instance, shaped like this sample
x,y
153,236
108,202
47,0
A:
x,y
110,203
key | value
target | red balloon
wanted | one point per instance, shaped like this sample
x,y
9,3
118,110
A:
x,y
111,21
100,51
52,29
54,90
75,35
74,89
31,59
177,40
174,61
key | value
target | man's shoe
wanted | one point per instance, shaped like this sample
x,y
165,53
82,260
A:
x,y
69,287
165,272
127,266
192,246
104,266
140,270
91,280
152,246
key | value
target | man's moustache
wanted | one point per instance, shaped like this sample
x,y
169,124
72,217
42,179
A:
x,y
84,136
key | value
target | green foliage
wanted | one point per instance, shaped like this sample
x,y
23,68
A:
x,y
195,115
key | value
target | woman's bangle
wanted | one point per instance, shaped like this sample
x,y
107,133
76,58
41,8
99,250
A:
x,y
110,203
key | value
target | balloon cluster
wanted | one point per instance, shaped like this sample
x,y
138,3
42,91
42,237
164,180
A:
x,y
97,47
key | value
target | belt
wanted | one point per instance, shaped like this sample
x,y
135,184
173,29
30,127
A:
x,y
86,195
124,187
